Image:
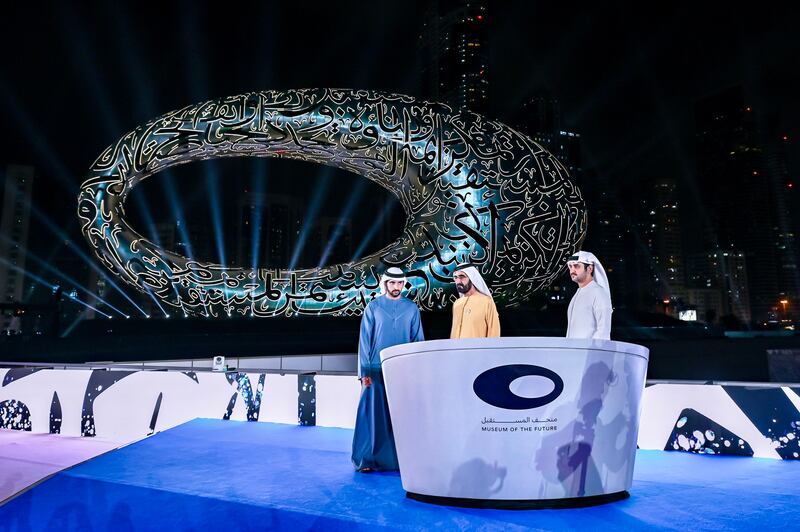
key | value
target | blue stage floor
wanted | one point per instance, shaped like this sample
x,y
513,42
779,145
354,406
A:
x,y
227,475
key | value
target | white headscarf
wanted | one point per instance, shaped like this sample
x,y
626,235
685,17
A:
x,y
476,279
600,276
392,274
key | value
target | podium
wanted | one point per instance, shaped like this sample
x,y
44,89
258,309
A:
x,y
515,422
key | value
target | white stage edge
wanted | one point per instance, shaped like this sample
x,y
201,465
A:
x,y
124,411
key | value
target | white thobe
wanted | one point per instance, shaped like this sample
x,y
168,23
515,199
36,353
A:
x,y
589,313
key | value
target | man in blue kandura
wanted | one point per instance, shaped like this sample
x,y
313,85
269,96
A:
x,y
388,320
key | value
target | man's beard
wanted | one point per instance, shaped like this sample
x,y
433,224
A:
x,y
394,293
464,288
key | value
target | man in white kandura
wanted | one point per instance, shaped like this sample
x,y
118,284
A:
x,y
589,313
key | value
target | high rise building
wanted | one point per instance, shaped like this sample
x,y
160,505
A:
x,y
72,271
14,226
609,236
540,118
453,45
662,233
283,218
707,302
784,231
726,272
329,242
165,233
97,284
567,149
192,240
251,209
735,191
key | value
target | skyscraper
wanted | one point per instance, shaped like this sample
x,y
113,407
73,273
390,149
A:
x,y
97,285
786,237
195,237
251,223
283,219
165,233
735,191
540,119
14,236
329,242
723,271
453,45
70,270
540,116
662,232
609,236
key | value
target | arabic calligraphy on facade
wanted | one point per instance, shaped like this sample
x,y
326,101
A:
x,y
473,190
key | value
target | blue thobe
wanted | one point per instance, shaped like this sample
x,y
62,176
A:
x,y
386,322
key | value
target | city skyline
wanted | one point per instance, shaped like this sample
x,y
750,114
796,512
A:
x,y
60,140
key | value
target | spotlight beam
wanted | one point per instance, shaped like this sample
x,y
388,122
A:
x,y
144,100
157,303
373,230
44,151
44,282
63,276
72,326
180,220
349,207
87,305
258,185
639,239
141,206
42,217
212,183
198,89
41,280
311,214
84,61
129,47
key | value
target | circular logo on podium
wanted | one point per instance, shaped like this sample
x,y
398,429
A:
x,y
493,386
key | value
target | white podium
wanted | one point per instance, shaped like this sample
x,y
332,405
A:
x,y
515,422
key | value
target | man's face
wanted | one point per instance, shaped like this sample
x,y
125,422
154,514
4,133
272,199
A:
x,y
463,284
580,272
394,287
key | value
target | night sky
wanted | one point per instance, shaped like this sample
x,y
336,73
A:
x,y
77,77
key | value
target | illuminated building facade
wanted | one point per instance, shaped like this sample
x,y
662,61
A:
x,y
662,234
14,225
735,191
453,44
725,272
462,205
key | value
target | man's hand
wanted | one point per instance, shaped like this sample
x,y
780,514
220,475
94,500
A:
x,y
366,381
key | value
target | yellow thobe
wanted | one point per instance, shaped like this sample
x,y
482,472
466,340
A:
x,y
475,316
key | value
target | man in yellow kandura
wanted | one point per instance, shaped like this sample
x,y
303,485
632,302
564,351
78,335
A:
x,y
474,314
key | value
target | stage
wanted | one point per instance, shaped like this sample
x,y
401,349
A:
x,y
213,474
28,457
